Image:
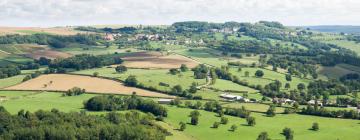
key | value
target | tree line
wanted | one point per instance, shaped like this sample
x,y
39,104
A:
x,y
116,103
45,125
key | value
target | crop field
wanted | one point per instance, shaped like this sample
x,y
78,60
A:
x,y
149,78
156,60
63,82
25,51
36,30
301,124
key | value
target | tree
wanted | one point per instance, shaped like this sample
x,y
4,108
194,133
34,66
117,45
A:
x,y
26,78
250,121
197,105
247,73
263,136
259,73
315,126
184,68
271,111
177,90
224,120
131,81
301,86
173,71
193,88
287,85
288,77
239,69
194,117
288,133
121,69
215,125
233,128
182,126
95,74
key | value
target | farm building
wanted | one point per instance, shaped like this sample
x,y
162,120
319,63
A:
x,y
164,101
312,102
230,97
282,101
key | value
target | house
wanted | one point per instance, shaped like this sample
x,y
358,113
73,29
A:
x,y
282,101
230,97
2,98
109,37
312,102
164,101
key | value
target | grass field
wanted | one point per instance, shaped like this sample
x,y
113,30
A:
x,y
229,85
337,71
11,81
33,101
352,45
150,77
329,128
269,76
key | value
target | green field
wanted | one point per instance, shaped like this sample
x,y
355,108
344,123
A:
x,y
11,81
329,128
150,78
33,101
229,85
269,76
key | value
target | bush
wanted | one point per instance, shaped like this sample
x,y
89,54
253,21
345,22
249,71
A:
x,y
224,120
216,125
315,126
288,133
75,91
121,69
250,121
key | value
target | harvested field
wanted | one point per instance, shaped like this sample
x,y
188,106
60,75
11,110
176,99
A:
x,y
48,53
35,30
33,51
63,82
157,60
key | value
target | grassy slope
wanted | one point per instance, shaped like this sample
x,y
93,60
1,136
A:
x,y
329,128
34,101
11,81
269,76
150,77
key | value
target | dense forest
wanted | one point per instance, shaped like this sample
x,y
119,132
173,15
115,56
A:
x,y
55,41
46,125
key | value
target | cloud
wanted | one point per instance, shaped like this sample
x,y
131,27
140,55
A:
x,y
85,12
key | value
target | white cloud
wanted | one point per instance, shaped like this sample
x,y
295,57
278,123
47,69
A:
x,y
80,12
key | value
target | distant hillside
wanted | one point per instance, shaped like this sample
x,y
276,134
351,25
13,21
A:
x,y
335,28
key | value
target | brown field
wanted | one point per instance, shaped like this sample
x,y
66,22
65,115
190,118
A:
x,y
48,53
63,82
157,60
34,51
33,30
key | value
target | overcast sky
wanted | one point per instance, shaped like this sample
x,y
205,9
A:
x,y
90,12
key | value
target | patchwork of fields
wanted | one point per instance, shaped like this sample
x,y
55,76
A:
x,y
63,82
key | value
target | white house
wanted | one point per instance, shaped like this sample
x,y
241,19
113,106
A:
x,y
233,97
312,102
164,101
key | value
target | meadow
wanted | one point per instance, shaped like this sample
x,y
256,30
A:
x,y
149,77
300,124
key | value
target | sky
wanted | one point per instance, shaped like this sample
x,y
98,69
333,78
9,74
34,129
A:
x,y
46,13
